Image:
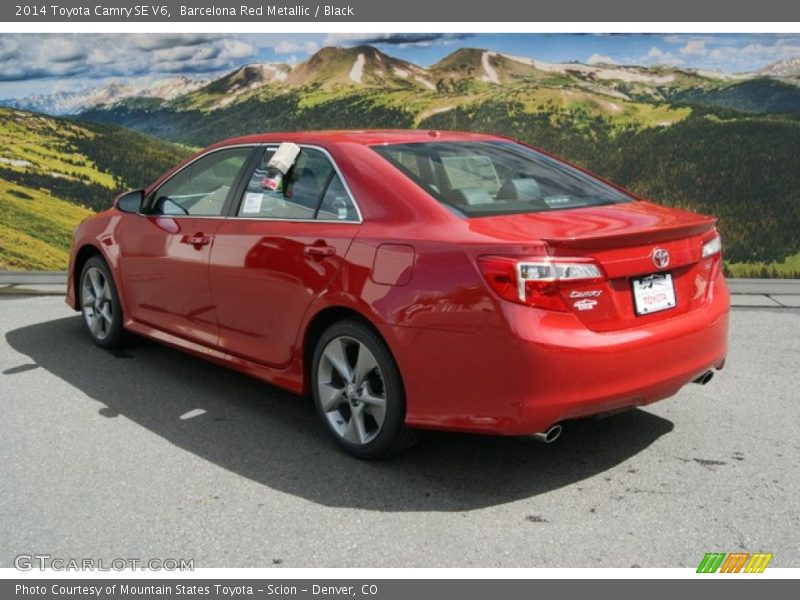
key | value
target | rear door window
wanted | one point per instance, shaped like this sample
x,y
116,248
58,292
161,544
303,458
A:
x,y
312,189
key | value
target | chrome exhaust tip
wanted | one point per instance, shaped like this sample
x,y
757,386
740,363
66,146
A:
x,y
549,436
704,378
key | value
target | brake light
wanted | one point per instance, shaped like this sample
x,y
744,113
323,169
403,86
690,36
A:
x,y
535,282
712,246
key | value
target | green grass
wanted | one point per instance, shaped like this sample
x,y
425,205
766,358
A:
x,y
788,268
35,228
54,172
47,145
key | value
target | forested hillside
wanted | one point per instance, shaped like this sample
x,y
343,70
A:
x,y
56,172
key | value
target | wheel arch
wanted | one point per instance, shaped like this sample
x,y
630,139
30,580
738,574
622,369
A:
x,y
317,326
86,252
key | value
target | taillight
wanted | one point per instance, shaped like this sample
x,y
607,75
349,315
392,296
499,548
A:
x,y
712,246
536,282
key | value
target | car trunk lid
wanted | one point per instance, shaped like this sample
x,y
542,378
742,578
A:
x,y
623,240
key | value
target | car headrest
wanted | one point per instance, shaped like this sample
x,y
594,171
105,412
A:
x,y
525,189
470,196
305,189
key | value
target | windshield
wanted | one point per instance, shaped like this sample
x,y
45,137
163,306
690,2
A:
x,y
497,178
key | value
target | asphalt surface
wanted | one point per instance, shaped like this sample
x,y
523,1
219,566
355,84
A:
x,y
107,455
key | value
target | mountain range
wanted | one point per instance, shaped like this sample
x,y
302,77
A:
x,y
723,144
71,103
368,67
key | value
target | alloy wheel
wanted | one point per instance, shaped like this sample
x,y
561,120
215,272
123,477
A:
x,y
96,303
351,390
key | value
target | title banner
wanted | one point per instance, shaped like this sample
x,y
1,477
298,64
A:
x,y
406,11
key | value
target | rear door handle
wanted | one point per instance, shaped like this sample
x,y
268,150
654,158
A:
x,y
320,250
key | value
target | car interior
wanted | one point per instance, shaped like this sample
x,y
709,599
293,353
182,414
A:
x,y
311,190
483,179
201,188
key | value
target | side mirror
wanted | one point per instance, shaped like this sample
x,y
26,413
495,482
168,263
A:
x,y
130,202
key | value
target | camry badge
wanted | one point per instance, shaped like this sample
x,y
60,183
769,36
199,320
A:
x,y
585,293
660,257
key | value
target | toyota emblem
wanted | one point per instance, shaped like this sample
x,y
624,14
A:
x,y
660,257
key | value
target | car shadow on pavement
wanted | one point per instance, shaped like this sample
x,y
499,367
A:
x,y
273,437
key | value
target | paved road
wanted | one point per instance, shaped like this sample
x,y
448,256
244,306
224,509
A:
x,y
97,461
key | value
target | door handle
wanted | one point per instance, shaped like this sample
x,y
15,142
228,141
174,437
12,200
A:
x,y
198,239
320,250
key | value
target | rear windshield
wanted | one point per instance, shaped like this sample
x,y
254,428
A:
x,y
497,178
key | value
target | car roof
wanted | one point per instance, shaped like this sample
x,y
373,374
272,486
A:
x,y
367,137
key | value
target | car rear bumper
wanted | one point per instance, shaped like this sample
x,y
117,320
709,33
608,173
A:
x,y
549,367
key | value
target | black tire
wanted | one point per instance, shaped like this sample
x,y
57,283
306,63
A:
x,y
108,334
386,439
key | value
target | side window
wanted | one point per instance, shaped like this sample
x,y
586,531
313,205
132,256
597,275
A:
x,y
417,164
201,188
310,186
336,203
409,161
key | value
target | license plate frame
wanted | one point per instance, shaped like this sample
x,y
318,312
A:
x,y
653,293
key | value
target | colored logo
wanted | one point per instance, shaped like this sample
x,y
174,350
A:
x,y
735,562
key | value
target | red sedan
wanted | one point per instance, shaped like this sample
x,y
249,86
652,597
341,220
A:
x,y
411,280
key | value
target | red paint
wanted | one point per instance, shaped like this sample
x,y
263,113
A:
x,y
394,264
243,293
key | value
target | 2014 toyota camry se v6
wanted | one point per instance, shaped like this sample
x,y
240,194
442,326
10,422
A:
x,y
411,280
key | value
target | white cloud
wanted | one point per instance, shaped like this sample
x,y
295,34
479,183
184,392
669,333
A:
x,y
754,55
656,56
735,53
231,49
147,41
695,47
290,47
401,39
41,56
683,38
9,48
62,50
595,59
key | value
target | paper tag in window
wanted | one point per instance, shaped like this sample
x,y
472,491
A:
x,y
252,203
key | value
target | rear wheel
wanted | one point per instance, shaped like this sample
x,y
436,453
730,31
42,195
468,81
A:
x,y
358,392
102,312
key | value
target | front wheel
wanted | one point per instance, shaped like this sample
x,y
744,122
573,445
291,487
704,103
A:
x,y
100,306
358,391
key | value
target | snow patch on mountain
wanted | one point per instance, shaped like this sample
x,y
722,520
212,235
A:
x,y
788,67
605,73
425,82
490,73
358,68
15,162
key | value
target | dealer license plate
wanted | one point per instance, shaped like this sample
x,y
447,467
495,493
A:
x,y
653,293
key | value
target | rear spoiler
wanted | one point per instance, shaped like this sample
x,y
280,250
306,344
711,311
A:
x,y
637,237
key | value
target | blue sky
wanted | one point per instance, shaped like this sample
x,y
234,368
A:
x,y
47,63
